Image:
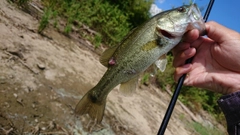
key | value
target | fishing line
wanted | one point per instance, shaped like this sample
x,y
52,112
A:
x,y
180,83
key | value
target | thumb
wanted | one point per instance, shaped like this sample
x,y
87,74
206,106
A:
x,y
218,32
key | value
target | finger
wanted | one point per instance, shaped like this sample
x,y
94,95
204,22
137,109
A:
x,y
191,36
199,42
179,71
218,32
181,57
188,37
180,48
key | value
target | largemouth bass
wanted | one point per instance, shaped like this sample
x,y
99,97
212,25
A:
x,y
140,49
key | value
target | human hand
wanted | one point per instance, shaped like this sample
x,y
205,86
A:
x,y
216,62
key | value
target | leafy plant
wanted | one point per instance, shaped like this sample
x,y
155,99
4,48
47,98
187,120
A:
x,y
205,130
165,78
20,2
145,79
97,40
111,19
48,14
68,28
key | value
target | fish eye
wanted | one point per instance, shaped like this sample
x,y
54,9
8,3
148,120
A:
x,y
181,9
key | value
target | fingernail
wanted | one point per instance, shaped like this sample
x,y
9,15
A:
x,y
188,51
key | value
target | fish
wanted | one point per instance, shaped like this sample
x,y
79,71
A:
x,y
142,47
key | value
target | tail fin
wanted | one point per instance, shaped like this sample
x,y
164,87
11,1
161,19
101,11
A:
x,y
94,109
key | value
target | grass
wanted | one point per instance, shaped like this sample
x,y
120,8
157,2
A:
x,y
206,130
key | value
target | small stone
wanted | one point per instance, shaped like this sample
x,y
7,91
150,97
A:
x,y
15,95
20,101
52,125
2,80
10,76
43,128
30,89
6,104
41,66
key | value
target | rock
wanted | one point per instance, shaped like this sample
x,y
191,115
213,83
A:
x,y
15,95
2,80
41,66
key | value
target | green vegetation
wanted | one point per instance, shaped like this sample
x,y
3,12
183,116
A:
x,y
23,4
202,129
48,14
111,19
205,130
20,2
145,78
165,78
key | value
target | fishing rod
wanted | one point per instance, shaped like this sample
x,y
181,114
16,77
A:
x,y
180,83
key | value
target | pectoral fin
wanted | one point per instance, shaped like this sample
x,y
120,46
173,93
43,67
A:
x,y
127,88
107,56
161,63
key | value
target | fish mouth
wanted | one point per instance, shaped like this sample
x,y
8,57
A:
x,y
165,33
196,20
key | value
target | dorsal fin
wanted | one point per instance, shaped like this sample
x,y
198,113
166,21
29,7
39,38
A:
x,y
107,55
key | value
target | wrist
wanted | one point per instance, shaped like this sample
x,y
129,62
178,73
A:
x,y
233,91
227,83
